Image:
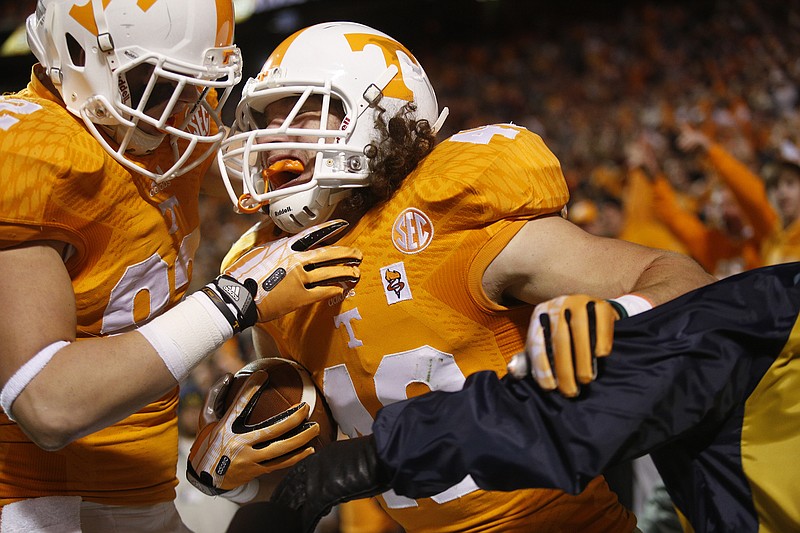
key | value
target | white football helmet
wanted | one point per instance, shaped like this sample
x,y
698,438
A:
x,y
330,65
139,71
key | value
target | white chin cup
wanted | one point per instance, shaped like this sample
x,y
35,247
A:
x,y
304,209
140,143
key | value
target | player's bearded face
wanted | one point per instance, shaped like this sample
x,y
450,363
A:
x,y
288,167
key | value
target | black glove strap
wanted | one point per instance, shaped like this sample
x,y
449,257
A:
x,y
234,300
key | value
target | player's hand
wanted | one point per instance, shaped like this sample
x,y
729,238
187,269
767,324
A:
x,y
275,278
292,273
342,471
229,451
565,337
691,139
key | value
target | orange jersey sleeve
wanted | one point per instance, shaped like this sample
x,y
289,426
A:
x,y
132,258
418,319
749,190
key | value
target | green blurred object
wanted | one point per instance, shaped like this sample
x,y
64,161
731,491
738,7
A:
x,y
16,44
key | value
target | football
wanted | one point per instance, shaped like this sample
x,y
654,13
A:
x,y
288,384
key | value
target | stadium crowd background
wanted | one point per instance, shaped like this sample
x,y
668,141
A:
x,y
609,88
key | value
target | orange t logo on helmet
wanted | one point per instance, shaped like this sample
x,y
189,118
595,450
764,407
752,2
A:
x,y
389,47
85,17
358,41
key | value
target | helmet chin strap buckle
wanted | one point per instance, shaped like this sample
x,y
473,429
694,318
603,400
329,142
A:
x,y
56,76
105,43
373,94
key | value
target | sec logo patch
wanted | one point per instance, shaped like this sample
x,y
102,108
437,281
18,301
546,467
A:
x,y
412,231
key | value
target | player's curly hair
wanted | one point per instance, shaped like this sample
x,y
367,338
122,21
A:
x,y
402,143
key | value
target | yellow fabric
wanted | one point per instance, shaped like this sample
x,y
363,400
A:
x,y
60,184
685,524
770,437
418,320
365,516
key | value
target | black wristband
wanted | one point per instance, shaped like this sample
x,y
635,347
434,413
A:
x,y
234,300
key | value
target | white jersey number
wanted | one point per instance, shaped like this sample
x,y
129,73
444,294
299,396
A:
x,y
435,369
17,107
152,276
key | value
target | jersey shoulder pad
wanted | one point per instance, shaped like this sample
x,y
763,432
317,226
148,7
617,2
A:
x,y
496,171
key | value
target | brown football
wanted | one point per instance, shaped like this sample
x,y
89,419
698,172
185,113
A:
x,y
288,384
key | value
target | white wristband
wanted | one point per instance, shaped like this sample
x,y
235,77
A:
x,y
25,374
187,333
243,493
633,304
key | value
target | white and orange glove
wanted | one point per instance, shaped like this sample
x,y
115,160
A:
x,y
566,336
230,452
284,275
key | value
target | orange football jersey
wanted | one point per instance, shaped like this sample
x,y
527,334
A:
x,y
418,320
131,259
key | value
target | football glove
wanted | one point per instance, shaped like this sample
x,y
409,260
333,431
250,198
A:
x,y
565,337
230,451
342,471
275,278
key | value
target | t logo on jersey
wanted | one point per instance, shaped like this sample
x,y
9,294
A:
x,y
412,231
395,283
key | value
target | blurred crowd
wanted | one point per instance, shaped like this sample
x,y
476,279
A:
x,y
12,14
676,125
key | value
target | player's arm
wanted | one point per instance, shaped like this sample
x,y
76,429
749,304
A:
x,y
59,390
571,274
84,384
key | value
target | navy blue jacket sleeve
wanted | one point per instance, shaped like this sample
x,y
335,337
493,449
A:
x,y
675,372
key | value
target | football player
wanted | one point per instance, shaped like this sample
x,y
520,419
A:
x,y
461,239
102,157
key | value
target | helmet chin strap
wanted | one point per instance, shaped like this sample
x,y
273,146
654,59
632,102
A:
x,y
137,142
304,209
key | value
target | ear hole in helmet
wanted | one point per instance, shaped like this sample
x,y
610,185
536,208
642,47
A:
x,y
76,52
